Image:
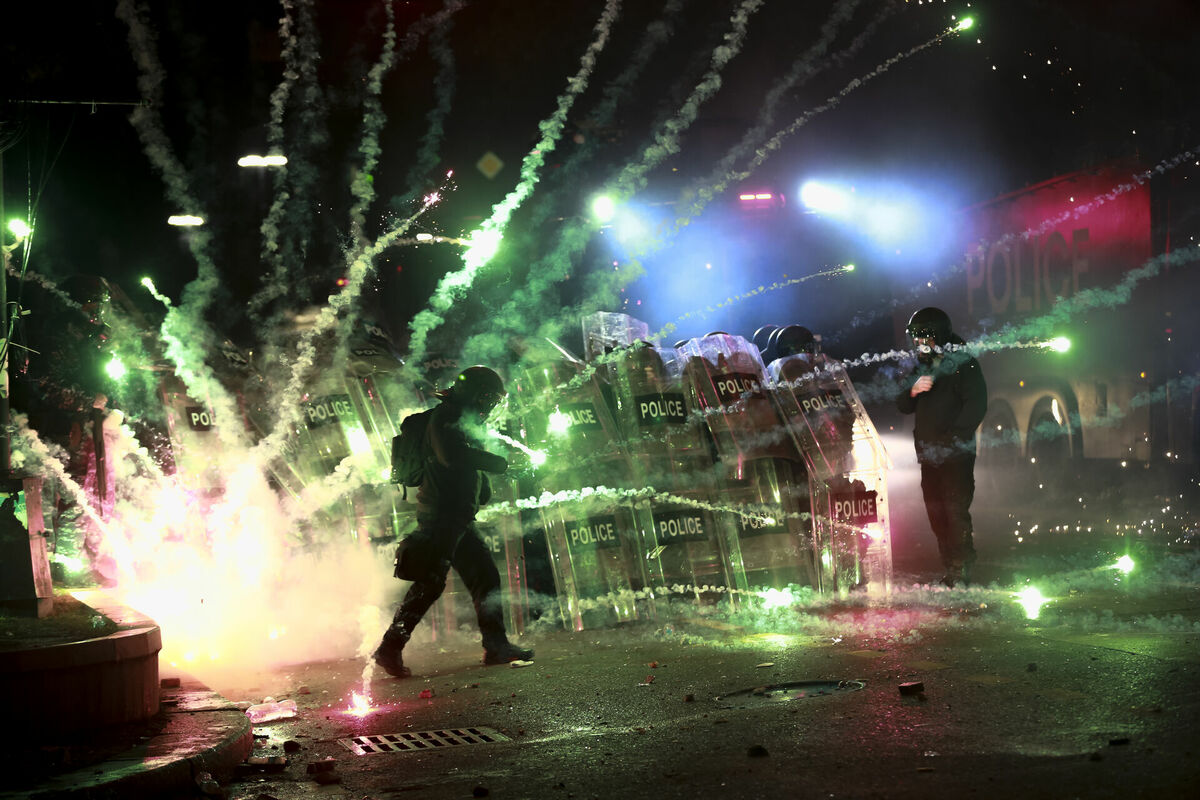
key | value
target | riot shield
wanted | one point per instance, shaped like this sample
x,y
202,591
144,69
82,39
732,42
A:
x,y
592,537
847,466
727,388
687,548
502,534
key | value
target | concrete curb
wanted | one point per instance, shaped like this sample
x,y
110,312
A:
x,y
204,733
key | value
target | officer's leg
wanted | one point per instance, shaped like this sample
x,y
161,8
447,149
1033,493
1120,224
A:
x,y
422,594
474,564
959,486
933,491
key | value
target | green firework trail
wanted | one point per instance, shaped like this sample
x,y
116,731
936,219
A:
x,y
486,239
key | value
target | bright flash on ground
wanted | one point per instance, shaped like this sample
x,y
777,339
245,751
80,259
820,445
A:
x,y
1124,564
360,704
776,598
1031,600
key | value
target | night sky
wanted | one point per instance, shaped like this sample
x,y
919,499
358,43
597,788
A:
x,y
1034,89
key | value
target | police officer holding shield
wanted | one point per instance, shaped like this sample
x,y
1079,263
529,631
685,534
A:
x,y
948,395
452,489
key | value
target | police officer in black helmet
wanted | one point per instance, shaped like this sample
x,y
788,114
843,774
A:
x,y
948,395
453,488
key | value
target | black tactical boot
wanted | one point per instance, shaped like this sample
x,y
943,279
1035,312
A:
x,y
392,662
505,653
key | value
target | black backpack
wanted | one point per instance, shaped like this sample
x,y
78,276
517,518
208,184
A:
x,y
408,450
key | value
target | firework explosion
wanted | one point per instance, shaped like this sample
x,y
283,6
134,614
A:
x,y
274,488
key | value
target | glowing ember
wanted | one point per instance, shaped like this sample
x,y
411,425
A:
x,y
360,704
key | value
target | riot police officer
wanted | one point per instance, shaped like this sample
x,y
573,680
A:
x,y
452,489
948,395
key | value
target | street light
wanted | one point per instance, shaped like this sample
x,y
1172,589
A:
x,y
185,220
262,161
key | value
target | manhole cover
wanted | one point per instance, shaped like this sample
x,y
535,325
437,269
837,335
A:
x,y
420,740
786,692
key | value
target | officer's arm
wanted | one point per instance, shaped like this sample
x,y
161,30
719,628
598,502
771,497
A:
x,y
454,450
973,390
904,399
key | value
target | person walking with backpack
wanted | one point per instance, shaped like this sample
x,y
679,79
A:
x,y
453,485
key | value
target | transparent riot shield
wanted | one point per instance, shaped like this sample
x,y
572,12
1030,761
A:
x,y
687,548
757,459
605,331
592,538
195,443
847,466
502,533
594,555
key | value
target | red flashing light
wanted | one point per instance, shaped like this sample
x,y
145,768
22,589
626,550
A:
x,y
342,281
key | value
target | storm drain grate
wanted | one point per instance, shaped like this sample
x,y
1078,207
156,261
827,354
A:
x,y
420,740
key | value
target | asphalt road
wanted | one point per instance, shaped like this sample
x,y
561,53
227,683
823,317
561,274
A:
x,y
1098,697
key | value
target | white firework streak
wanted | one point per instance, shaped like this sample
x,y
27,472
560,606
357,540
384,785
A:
x,y
552,268
287,411
455,284
774,143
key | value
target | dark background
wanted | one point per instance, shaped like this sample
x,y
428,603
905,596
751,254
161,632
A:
x,y
1035,89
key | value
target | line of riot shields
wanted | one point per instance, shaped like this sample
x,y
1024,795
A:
x,y
694,475
675,478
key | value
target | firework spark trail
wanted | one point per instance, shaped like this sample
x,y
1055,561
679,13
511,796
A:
x,y
287,411
614,281
1090,299
657,34
351,473
362,187
47,284
52,458
666,141
296,50
1018,335
761,289
551,270
802,69
776,141
1046,226
486,239
443,89
184,330
751,511
187,346
199,292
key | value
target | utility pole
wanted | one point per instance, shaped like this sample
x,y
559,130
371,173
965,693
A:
x,y
5,449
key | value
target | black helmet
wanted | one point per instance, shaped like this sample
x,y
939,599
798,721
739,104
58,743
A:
x,y
479,387
930,323
792,339
762,337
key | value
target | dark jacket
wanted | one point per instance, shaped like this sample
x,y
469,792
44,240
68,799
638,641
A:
x,y
454,487
949,413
